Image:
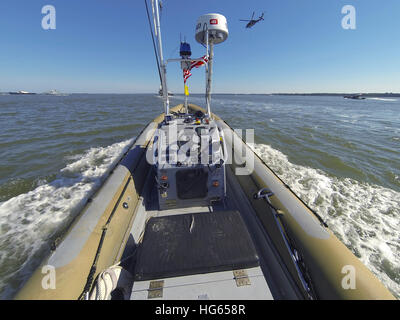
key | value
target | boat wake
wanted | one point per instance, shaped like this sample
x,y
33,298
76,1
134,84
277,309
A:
x,y
30,222
363,216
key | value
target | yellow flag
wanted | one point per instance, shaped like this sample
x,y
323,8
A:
x,y
186,90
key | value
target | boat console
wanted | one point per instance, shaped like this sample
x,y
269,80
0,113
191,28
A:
x,y
189,158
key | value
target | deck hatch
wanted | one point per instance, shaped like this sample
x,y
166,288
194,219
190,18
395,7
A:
x,y
180,245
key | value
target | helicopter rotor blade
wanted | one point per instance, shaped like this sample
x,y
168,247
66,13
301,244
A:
x,y
244,20
252,16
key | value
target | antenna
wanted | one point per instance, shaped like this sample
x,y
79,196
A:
x,y
211,29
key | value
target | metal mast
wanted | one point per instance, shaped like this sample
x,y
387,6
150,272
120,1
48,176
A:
x,y
163,68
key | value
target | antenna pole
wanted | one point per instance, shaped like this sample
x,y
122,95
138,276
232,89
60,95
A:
x,y
210,55
162,63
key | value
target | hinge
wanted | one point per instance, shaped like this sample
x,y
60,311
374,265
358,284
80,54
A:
x,y
155,289
241,278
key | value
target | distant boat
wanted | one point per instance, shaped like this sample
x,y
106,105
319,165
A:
x,y
54,92
354,96
22,92
160,93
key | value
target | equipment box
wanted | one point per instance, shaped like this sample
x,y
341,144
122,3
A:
x,y
189,161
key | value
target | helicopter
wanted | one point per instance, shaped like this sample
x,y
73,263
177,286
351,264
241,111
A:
x,y
252,22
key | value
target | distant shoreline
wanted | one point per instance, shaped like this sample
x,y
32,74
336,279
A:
x,y
368,95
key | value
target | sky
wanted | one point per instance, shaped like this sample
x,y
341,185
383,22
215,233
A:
x,y
104,46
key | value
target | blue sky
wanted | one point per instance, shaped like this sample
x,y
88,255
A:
x,y
104,46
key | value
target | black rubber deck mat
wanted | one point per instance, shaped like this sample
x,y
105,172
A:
x,y
197,243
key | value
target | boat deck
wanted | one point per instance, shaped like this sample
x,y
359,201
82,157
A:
x,y
214,252
224,285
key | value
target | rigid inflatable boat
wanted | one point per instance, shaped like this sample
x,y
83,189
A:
x,y
191,212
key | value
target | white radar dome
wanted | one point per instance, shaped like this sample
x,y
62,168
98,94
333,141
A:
x,y
216,25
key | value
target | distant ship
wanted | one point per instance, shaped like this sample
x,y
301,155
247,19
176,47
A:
x,y
22,92
355,96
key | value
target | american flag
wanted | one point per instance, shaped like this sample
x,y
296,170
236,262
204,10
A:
x,y
194,64
186,75
197,64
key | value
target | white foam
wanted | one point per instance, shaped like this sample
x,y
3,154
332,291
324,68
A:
x,y
382,99
29,220
365,217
